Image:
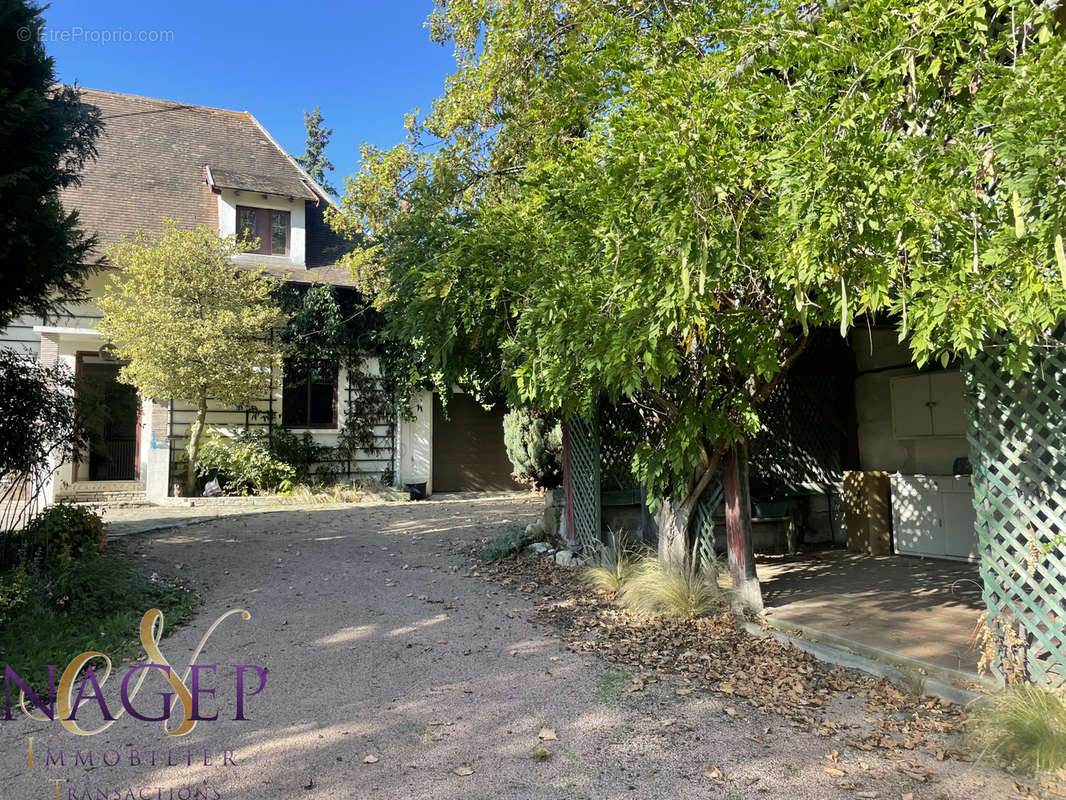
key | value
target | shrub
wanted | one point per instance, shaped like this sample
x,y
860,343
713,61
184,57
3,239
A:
x,y
61,534
301,453
1024,726
510,543
16,591
681,591
535,447
38,429
244,463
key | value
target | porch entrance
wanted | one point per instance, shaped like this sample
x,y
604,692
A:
x,y
110,412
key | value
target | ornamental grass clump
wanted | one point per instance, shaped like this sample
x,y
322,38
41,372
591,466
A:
x,y
680,591
1024,727
612,566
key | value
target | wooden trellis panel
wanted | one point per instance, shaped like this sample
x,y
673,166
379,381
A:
x,y
710,506
800,440
619,429
1018,449
585,482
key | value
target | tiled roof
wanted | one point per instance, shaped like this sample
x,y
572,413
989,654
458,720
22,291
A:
x,y
151,166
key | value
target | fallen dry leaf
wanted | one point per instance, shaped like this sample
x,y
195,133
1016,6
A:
x,y
463,771
713,772
371,759
918,776
713,653
547,735
836,772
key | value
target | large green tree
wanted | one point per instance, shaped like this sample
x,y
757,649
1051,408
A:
x,y
314,159
190,325
656,201
46,137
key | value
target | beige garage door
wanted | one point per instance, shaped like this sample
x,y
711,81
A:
x,y
468,451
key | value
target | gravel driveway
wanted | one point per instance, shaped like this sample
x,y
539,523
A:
x,y
394,672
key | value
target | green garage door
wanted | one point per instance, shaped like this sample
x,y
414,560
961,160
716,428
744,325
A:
x,y
468,451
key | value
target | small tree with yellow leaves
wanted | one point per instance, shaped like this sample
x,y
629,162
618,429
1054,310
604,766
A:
x,y
190,324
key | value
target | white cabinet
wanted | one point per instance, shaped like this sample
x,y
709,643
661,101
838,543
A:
x,y
933,515
931,404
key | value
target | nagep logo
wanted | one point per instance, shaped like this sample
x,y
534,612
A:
x,y
80,684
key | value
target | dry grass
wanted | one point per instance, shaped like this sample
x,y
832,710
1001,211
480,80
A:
x,y
1024,726
613,566
677,591
608,580
338,494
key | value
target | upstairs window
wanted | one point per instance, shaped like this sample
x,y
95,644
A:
x,y
309,396
268,225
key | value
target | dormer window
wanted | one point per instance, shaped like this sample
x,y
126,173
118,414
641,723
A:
x,y
270,226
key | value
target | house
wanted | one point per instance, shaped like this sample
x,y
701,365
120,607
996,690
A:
x,y
206,166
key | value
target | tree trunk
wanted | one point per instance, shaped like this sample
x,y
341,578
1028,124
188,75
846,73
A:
x,y
738,528
674,519
673,522
192,448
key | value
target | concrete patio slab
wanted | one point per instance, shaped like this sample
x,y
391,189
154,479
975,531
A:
x,y
922,609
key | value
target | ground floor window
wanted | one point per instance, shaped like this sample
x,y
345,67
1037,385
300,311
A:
x,y
309,396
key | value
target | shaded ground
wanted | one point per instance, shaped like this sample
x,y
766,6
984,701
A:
x,y
396,670
922,608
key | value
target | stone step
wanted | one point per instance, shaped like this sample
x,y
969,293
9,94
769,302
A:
x,y
114,503
105,493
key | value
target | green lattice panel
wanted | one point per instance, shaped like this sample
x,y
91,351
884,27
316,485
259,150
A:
x,y
710,506
585,482
620,428
799,441
1018,449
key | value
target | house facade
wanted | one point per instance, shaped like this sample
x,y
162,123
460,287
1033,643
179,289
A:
x,y
204,166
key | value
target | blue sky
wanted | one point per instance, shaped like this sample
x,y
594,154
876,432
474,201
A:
x,y
365,63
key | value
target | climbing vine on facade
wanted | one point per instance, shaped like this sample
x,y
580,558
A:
x,y
327,326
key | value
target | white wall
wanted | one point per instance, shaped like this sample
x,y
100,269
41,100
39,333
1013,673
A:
x,y
228,201
879,449
416,443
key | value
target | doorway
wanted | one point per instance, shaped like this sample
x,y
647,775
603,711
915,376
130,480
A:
x,y
110,413
468,450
